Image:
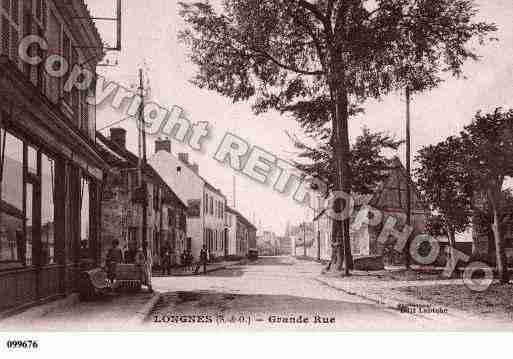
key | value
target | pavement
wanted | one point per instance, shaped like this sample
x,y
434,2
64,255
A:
x,y
118,312
276,293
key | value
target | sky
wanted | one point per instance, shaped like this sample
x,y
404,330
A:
x,y
149,41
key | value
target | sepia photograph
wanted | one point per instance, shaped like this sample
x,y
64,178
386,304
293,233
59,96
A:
x,y
254,166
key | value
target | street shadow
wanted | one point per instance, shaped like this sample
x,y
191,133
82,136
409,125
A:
x,y
230,272
268,308
272,261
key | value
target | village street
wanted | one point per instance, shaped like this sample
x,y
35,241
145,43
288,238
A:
x,y
270,291
281,293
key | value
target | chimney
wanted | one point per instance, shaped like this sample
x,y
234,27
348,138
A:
x,y
163,145
195,168
184,158
118,136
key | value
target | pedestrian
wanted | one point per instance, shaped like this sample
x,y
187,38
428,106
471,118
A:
x,y
183,259
131,252
114,257
141,260
202,261
166,261
190,260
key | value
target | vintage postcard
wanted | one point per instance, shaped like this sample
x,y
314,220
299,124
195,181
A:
x,y
248,165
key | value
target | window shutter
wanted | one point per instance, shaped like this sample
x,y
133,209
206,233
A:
x,y
16,11
14,44
6,4
5,36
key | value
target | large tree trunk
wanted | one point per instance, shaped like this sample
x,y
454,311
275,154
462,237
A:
x,y
340,140
500,251
452,246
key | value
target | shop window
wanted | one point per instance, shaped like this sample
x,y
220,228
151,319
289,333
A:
x,y
12,172
84,218
29,229
27,191
47,210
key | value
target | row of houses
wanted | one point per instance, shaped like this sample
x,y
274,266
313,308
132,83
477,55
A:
x,y
66,190
184,212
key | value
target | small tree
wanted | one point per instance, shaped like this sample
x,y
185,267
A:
x,y
367,160
446,186
488,147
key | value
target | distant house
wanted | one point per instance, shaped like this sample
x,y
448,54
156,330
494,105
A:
x,y
124,197
207,204
243,232
390,197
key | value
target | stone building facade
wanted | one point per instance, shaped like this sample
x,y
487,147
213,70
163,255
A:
x,y
122,204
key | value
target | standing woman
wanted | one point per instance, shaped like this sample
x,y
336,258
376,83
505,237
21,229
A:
x,y
114,256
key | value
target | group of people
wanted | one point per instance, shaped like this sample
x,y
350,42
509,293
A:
x,y
115,256
167,262
186,260
135,255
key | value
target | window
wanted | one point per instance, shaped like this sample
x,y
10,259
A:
x,y
84,111
205,203
47,210
156,198
11,29
211,205
84,216
12,216
27,208
66,54
75,94
12,244
12,173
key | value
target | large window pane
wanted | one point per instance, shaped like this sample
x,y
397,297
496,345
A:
x,y
32,159
12,247
29,224
12,172
47,210
84,218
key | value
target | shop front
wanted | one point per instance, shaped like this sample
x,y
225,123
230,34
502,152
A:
x,y
51,178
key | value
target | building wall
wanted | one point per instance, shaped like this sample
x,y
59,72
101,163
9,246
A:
x,y
45,264
232,233
208,225
189,188
122,218
214,221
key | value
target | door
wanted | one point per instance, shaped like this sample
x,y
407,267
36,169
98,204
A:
x,y
226,249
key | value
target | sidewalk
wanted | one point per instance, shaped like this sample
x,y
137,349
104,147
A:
x,y
403,294
119,312
211,267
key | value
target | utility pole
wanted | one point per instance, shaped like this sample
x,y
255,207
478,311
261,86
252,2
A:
x,y
319,245
408,170
234,192
304,238
142,165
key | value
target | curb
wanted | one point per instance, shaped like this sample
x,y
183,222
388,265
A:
x,y
140,316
